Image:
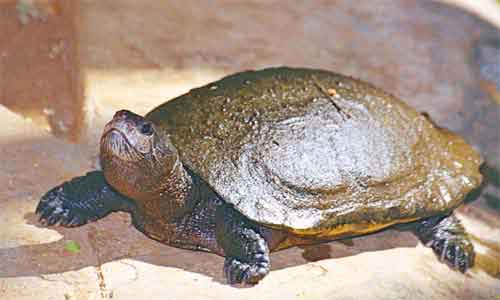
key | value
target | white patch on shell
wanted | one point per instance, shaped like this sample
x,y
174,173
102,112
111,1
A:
x,y
298,159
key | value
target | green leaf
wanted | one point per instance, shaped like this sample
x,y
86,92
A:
x,y
72,247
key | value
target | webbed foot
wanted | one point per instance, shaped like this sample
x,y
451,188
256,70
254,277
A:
x,y
256,261
458,253
447,237
79,201
247,253
56,208
238,272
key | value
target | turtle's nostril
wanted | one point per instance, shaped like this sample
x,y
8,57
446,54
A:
x,y
121,114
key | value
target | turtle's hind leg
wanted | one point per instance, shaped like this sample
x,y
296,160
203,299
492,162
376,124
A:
x,y
81,200
447,237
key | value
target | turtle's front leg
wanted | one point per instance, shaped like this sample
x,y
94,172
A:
x,y
447,237
81,200
246,251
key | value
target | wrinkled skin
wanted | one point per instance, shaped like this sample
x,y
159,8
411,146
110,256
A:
x,y
191,183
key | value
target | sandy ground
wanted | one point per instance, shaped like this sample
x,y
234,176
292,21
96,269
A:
x,y
66,66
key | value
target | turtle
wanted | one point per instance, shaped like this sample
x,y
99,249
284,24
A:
x,y
264,160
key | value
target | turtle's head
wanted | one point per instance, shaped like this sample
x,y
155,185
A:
x,y
135,157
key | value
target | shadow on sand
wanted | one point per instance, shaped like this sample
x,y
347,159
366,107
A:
x,y
114,238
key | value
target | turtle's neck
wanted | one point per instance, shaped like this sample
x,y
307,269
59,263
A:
x,y
175,193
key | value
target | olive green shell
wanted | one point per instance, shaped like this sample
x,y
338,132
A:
x,y
312,151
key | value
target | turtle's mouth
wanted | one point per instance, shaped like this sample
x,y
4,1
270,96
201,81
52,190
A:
x,y
113,137
116,133
115,142
128,136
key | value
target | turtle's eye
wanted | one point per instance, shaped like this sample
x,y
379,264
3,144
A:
x,y
147,129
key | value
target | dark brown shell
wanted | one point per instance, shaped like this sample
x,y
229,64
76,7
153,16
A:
x,y
313,151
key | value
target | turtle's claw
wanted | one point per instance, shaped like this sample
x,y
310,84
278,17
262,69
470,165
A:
x,y
55,207
447,237
244,273
456,251
81,200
